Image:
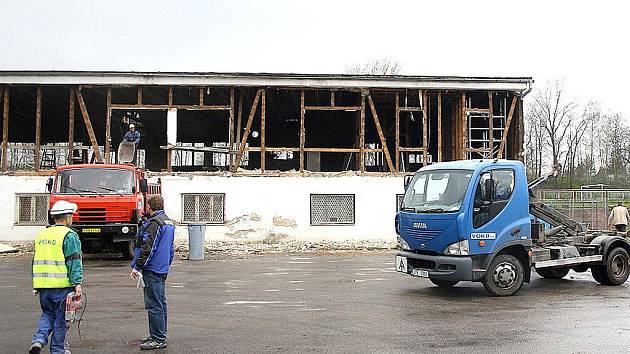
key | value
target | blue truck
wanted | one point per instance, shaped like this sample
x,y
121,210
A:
x,y
478,220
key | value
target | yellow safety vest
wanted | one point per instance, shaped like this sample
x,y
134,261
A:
x,y
49,263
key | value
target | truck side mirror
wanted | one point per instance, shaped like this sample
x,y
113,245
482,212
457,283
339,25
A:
x,y
488,189
144,187
407,181
49,184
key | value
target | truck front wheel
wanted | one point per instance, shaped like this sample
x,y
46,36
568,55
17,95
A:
x,y
616,270
553,273
444,283
504,276
126,249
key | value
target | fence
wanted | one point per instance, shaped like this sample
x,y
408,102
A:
x,y
590,207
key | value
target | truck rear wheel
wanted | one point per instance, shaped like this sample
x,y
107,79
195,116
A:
x,y
126,249
444,283
616,270
504,276
553,273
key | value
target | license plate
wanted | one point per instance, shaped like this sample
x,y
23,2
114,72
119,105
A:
x,y
401,264
420,273
91,231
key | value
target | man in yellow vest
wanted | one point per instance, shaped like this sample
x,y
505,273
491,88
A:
x,y
57,271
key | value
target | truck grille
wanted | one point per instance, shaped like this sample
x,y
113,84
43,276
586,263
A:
x,y
422,235
92,214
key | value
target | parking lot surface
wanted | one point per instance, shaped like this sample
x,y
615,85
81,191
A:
x,y
335,303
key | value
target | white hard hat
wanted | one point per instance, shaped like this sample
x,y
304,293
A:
x,y
63,207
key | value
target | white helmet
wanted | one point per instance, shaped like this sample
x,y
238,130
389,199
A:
x,y
63,207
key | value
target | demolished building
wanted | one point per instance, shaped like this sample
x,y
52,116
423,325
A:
x,y
224,131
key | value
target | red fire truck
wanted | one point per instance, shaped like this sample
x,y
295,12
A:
x,y
111,200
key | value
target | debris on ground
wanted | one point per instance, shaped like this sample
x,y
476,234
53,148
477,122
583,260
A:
x,y
7,249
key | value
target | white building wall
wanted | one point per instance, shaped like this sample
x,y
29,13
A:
x,y
256,208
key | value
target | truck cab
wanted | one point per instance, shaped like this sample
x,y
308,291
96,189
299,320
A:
x,y
111,201
470,221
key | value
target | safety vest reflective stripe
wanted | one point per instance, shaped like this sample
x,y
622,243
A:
x,y
49,266
57,263
49,275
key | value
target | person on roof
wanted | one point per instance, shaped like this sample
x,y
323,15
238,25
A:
x,y
57,271
133,136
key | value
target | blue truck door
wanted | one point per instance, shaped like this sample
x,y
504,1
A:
x,y
492,220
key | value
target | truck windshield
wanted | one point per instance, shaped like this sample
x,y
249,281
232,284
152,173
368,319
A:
x,y
95,180
439,191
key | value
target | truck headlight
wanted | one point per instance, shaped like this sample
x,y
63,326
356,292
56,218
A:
x,y
403,244
457,249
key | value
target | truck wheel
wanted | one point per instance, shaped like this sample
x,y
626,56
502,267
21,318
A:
x,y
599,274
444,283
553,273
126,249
617,266
504,276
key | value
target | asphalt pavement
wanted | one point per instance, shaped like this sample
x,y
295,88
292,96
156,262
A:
x,y
338,303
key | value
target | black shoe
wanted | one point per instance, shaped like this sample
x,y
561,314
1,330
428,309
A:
x,y
36,348
152,344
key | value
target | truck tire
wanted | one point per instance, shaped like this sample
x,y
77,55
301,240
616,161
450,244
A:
x,y
504,276
617,267
553,273
126,249
444,283
599,274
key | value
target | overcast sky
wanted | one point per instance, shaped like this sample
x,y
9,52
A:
x,y
584,43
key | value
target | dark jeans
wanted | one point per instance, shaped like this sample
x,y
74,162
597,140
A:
x,y
621,227
155,303
52,320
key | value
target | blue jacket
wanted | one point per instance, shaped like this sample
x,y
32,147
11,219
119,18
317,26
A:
x,y
132,137
154,244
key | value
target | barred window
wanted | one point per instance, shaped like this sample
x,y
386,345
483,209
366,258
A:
x,y
206,208
332,209
31,208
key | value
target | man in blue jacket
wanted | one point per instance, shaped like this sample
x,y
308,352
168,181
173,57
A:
x,y
133,136
153,256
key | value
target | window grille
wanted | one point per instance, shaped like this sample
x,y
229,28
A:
x,y
399,199
206,208
31,208
332,209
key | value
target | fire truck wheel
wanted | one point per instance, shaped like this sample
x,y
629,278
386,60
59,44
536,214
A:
x,y
444,283
504,276
617,266
553,273
126,249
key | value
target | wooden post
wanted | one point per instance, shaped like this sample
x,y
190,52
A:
x,y
332,98
239,118
88,126
5,128
248,127
201,95
263,153
139,96
169,160
71,107
506,130
397,118
362,133
439,127
108,126
425,128
170,96
490,124
231,124
302,131
38,128
381,136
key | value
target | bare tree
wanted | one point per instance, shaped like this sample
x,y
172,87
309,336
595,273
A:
x,y
383,66
553,112
575,140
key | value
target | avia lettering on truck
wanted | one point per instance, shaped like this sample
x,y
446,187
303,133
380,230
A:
x,y
111,201
478,221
